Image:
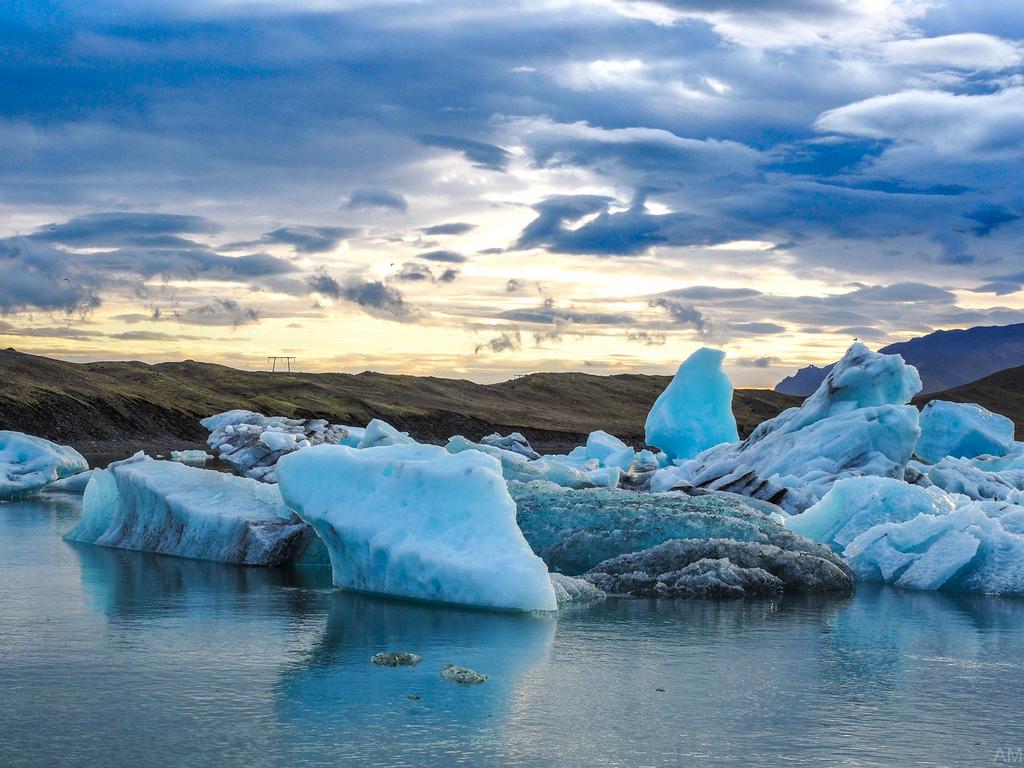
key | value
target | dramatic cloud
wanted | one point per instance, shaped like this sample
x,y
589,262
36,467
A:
x,y
448,257
480,154
376,197
302,239
451,228
507,341
373,296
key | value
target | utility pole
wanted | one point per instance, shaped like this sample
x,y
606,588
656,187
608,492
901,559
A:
x,y
283,359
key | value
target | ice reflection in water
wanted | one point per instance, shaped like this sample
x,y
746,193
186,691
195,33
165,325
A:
x,y
127,659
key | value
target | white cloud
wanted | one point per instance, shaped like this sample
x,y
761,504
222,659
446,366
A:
x,y
970,51
954,124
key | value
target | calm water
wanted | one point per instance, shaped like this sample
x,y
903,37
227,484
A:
x,y
111,658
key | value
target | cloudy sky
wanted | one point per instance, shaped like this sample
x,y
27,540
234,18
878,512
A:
x,y
483,189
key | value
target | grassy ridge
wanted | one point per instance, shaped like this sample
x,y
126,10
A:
x,y
96,405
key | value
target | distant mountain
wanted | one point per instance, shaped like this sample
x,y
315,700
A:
x,y
945,359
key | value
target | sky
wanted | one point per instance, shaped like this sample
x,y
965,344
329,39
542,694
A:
x,y
482,190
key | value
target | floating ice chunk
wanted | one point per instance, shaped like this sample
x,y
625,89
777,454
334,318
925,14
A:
x,y
855,504
396,659
174,509
718,568
576,530
27,463
978,547
573,590
379,433
227,419
511,461
564,471
694,412
78,483
962,430
855,424
417,521
462,675
354,437
194,457
514,442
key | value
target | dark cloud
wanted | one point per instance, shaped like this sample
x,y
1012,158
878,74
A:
x,y
548,313
303,239
647,338
766,361
448,276
219,311
376,197
482,155
413,273
451,228
448,257
681,314
374,297
506,341
124,228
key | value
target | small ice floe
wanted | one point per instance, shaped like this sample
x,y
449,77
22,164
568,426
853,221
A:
x,y
395,659
27,463
191,457
462,675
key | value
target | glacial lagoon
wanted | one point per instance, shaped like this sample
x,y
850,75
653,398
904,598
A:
x,y
118,658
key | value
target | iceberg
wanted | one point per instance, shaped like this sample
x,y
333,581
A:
x,y
417,521
855,504
857,423
978,547
694,412
252,443
718,568
27,463
572,590
575,531
77,484
962,430
174,509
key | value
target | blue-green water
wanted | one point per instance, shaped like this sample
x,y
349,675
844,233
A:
x,y
112,658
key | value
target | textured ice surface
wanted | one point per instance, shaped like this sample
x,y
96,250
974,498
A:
x,y
855,504
576,530
417,521
174,509
718,568
572,590
978,547
252,443
27,463
962,430
856,424
978,478
694,412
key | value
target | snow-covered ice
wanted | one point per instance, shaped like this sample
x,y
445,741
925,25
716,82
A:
x,y
857,423
27,463
174,509
962,430
417,521
694,412
976,478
